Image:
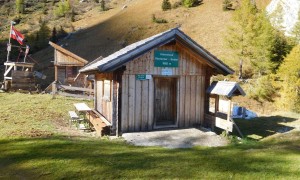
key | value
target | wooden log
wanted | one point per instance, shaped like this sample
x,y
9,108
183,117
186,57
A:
x,y
22,74
72,88
75,95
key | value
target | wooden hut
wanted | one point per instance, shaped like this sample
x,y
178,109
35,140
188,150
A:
x,y
158,82
67,65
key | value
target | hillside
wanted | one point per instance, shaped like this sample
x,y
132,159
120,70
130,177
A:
x,y
97,33
108,31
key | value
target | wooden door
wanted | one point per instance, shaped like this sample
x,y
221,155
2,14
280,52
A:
x,y
165,101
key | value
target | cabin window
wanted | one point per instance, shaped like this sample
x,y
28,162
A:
x,y
107,90
71,71
74,70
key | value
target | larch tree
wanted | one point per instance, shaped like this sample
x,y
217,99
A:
x,y
241,34
296,30
253,39
289,73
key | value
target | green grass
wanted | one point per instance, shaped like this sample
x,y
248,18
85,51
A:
x,y
25,115
57,154
262,127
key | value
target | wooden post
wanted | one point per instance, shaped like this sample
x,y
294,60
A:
x,y
55,73
228,113
54,89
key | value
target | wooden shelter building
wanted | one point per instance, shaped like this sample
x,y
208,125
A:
x,y
67,65
158,82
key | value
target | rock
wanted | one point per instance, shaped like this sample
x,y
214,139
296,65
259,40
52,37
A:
x,y
289,13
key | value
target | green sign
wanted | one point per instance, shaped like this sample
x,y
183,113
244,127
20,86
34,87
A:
x,y
140,76
166,59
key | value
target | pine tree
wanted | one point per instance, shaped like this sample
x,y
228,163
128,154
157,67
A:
x,y
289,73
166,5
103,7
20,6
54,35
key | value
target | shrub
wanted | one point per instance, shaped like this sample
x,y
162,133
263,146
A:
x,y
227,5
191,3
177,4
63,8
158,20
262,89
166,5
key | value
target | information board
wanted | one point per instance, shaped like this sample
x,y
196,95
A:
x,y
166,58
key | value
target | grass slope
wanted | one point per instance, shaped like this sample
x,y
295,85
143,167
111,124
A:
x,y
53,151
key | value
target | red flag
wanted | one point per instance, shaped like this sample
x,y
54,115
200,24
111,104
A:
x,y
16,35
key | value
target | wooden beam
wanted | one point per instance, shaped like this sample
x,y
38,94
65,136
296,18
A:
x,y
76,88
19,64
7,71
55,73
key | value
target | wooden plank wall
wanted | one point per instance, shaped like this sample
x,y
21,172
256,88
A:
x,y
104,106
63,59
138,95
22,80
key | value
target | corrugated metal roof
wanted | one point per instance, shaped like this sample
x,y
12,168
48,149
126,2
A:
x,y
225,88
137,49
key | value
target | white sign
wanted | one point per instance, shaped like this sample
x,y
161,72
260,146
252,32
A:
x,y
148,76
224,124
166,71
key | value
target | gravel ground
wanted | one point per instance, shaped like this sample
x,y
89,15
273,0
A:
x,y
178,138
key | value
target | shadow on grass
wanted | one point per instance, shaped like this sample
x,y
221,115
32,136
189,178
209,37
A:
x,y
261,127
68,158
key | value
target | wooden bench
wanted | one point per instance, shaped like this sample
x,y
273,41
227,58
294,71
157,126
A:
x,y
73,117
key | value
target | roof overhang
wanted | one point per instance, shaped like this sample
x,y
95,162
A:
x,y
225,88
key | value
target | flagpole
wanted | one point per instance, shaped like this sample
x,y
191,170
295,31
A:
x,y
9,48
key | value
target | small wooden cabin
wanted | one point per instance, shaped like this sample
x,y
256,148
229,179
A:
x,y
67,65
158,82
